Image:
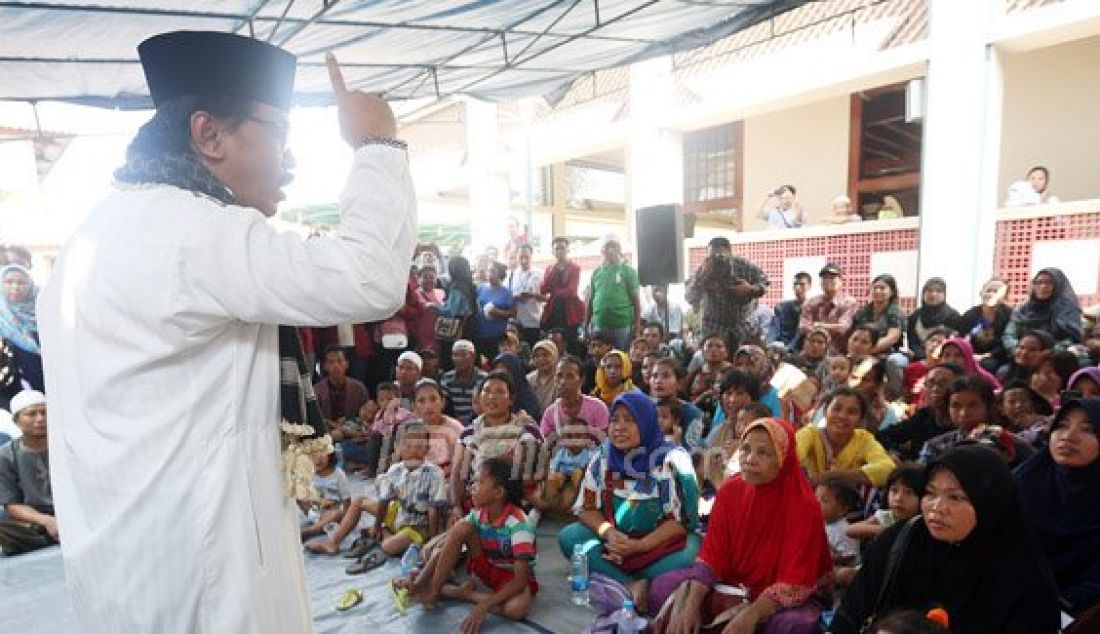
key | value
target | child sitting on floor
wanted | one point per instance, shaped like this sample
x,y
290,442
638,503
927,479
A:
x,y
572,453
838,500
333,493
668,416
904,488
354,437
390,415
500,548
411,504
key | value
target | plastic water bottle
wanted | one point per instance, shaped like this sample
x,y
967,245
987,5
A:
x,y
410,562
579,579
627,621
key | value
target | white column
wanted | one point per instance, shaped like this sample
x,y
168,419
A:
x,y
961,154
488,180
655,155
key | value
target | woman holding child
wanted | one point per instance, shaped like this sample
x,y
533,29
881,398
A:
x,y
638,506
767,535
572,427
572,404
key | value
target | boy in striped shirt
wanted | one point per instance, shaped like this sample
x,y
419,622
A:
x,y
501,553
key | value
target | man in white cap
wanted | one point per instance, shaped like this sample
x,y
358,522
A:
x,y
167,332
25,493
613,307
406,375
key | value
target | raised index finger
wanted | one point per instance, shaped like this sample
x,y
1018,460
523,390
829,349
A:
x,y
335,76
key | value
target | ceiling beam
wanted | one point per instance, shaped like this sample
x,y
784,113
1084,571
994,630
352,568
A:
x,y
243,18
552,47
127,60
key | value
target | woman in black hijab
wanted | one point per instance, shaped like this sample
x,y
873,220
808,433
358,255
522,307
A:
x,y
933,312
525,400
1051,306
971,553
1060,490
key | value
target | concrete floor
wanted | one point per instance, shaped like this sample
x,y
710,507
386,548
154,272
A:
x,y
35,600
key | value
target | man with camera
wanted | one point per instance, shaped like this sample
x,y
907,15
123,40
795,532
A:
x,y
781,209
724,290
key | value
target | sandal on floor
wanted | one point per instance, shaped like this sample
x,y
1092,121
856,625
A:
x,y
349,599
401,599
360,547
368,562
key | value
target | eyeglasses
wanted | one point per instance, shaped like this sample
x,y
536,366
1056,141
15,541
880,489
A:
x,y
279,129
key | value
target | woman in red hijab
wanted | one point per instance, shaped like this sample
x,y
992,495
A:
x,y
766,535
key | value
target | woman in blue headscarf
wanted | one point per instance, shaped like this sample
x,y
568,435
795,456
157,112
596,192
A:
x,y
19,323
638,506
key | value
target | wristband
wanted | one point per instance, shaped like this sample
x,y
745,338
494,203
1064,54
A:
x,y
370,140
602,530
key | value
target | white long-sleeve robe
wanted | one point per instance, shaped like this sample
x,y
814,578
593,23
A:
x,y
162,364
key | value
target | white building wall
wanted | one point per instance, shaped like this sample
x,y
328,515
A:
x,y
806,147
1051,110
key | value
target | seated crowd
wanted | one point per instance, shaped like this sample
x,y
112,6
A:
x,y
936,469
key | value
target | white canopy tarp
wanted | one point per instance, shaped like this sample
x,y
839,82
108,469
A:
x,y
84,51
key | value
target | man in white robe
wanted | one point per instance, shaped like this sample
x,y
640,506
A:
x,y
159,333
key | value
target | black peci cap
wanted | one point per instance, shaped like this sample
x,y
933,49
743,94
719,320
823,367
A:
x,y
212,63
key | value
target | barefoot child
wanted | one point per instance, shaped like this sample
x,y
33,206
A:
x,y
572,454
500,549
412,499
333,491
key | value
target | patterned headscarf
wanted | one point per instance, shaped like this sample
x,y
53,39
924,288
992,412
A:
x,y
761,367
18,319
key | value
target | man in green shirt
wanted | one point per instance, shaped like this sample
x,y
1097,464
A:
x,y
613,307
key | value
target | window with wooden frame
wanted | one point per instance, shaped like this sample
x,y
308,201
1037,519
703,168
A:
x,y
713,170
884,152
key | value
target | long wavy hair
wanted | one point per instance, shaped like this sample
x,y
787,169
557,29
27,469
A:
x,y
162,151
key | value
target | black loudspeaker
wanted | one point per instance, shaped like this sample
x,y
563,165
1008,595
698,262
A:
x,y
660,231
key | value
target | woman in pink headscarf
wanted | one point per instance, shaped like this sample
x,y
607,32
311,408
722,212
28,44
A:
x,y
959,351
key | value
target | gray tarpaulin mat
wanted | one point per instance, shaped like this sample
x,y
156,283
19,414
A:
x,y
32,593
